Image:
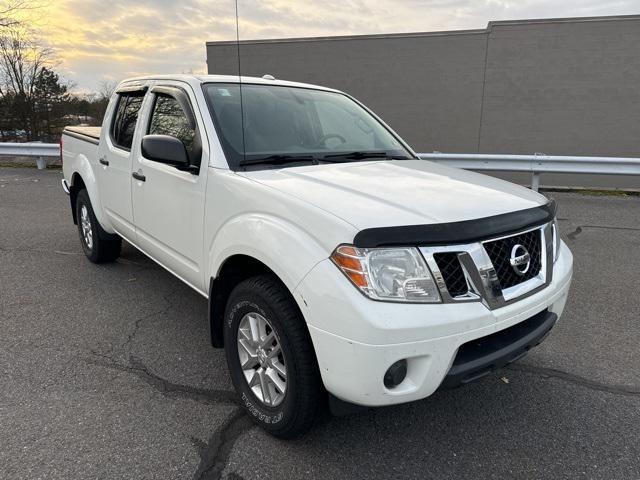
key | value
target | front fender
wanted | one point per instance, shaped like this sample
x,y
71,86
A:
x,y
288,250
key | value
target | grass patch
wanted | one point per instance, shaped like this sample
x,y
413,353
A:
x,y
593,192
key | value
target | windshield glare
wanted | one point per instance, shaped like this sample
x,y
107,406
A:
x,y
293,121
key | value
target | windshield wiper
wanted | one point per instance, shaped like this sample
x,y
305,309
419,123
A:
x,y
362,155
279,158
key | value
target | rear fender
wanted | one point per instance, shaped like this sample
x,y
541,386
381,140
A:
x,y
83,173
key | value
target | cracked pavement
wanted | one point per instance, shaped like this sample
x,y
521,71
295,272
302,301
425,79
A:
x,y
107,372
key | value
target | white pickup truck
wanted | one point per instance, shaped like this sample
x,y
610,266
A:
x,y
332,257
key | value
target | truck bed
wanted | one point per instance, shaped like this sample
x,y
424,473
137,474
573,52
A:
x,y
88,134
79,143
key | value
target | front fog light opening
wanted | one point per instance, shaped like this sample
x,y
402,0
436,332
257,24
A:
x,y
395,374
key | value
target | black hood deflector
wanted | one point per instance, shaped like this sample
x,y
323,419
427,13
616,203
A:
x,y
466,231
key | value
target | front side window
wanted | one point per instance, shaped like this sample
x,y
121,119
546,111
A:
x,y
168,118
277,123
126,116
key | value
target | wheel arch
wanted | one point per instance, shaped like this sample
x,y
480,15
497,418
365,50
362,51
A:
x,y
232,271
83,176
77,184
258,242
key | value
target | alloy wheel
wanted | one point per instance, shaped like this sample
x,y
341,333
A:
x,y
85,223
262,359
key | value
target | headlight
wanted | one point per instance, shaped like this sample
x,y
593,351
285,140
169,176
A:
x,y
556,240
389,274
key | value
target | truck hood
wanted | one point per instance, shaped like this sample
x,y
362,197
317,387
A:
x,y
396,193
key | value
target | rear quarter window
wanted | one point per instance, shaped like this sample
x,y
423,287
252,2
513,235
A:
x,y
124,122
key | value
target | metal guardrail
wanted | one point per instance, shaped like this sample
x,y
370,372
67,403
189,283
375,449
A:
x,y
32,149
538,163
535,164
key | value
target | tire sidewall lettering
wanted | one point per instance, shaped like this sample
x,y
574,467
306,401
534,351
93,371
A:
x,y
255,411
241,305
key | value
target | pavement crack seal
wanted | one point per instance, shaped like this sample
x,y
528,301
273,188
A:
x,y
214,456
138,322
626,390
572,236
166,387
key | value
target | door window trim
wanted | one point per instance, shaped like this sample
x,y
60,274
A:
x,y
126,91
132,88
182,97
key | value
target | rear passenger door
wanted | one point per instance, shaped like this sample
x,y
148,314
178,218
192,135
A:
x,y
168,204
114,159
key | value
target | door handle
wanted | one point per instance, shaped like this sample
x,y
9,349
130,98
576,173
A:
x,y
138,176
104,162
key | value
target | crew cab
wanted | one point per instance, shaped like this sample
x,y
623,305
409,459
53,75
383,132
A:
x,y
336,263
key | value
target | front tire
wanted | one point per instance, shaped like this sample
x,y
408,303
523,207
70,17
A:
x,y
270,357
98,245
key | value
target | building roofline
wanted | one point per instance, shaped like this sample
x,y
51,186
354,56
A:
x,y
488,29
602,18
351,37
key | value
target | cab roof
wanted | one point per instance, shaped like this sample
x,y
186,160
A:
x,y
200,79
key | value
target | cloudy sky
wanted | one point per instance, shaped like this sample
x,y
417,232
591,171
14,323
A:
x,y
97,40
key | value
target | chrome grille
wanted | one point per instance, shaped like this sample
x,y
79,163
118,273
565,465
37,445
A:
x,y
482,271
499,252
452,273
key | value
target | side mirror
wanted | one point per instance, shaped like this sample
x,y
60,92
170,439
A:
x,y
166,149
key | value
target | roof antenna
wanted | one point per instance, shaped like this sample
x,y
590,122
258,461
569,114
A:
x,y
244,149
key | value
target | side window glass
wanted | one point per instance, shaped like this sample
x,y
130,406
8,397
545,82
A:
x,y
126,116
168,118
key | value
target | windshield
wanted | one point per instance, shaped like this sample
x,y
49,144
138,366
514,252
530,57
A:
x,y
289,125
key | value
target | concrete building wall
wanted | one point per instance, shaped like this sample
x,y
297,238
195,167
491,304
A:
x,y
561,86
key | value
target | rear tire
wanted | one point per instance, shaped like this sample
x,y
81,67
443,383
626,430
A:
x,y
284,361
98,245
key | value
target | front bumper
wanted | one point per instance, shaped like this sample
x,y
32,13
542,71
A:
x,y
357,339
479,357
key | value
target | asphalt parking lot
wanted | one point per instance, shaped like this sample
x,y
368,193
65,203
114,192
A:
x,y
107,372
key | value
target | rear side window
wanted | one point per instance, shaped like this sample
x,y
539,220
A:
x,y
124,122
168,118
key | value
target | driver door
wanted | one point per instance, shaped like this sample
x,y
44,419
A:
x,y
168,204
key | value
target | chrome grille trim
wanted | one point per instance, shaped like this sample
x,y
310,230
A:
x,y
480,274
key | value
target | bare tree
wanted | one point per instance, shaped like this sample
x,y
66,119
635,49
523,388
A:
x,y
21,61
32,97
10,8
21,58
24,76
106,89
